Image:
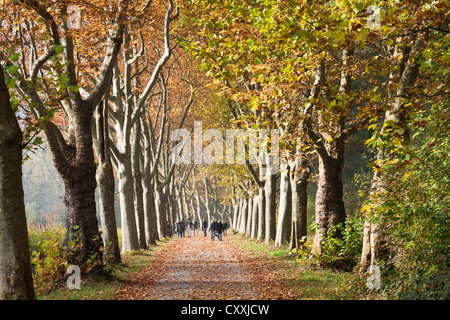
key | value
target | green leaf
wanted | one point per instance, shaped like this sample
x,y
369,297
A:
x,y
11,69
74,88
58,49
37,141
12,83
14,57
63,79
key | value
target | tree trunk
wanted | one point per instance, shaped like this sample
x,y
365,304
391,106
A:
x,y
137,179
239,215
248,229
168,209
330,146
16,281
80,184
180,206
329,206
261,213
208,202
235,213
365,253
285,207
199,212
172,208
130,240
151,231
243,218
271,207
161,212
255,218
402,75
106,185
299,175
185,203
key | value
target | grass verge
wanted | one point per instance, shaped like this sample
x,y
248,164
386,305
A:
x,y
104,288
306,282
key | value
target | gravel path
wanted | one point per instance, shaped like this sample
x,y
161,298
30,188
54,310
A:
x,y
198,268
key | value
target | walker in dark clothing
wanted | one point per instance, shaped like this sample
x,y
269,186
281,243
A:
x,y
219,229
212,228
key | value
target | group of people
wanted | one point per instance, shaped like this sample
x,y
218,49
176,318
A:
x,y
189,228
217,229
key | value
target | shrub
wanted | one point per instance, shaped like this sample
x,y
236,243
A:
x,y
415,211
342,253
47,257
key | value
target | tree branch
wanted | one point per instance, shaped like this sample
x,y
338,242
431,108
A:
x,y
162,61
306,124
106,70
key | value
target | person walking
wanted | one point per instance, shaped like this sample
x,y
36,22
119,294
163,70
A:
x,y
183,228
212,228
225,227
204,227
219,229
189,227
178,229
194,228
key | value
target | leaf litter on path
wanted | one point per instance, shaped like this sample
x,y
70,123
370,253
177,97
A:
x,y
202,269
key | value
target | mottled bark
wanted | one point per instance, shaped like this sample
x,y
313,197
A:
x,y
16,281
329,206
299,176
248,228
137,179
150,216
403,74
271,207
330,147
254,231
151,231
130,240
106,185
261,213
243,218
235,213
161,212
79,176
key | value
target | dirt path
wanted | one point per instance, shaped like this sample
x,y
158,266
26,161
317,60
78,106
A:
x,y
198,268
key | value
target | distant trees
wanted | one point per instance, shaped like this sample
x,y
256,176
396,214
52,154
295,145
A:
x,y
43,187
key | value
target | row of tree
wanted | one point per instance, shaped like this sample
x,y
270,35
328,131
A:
x,y
104,85
320,71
